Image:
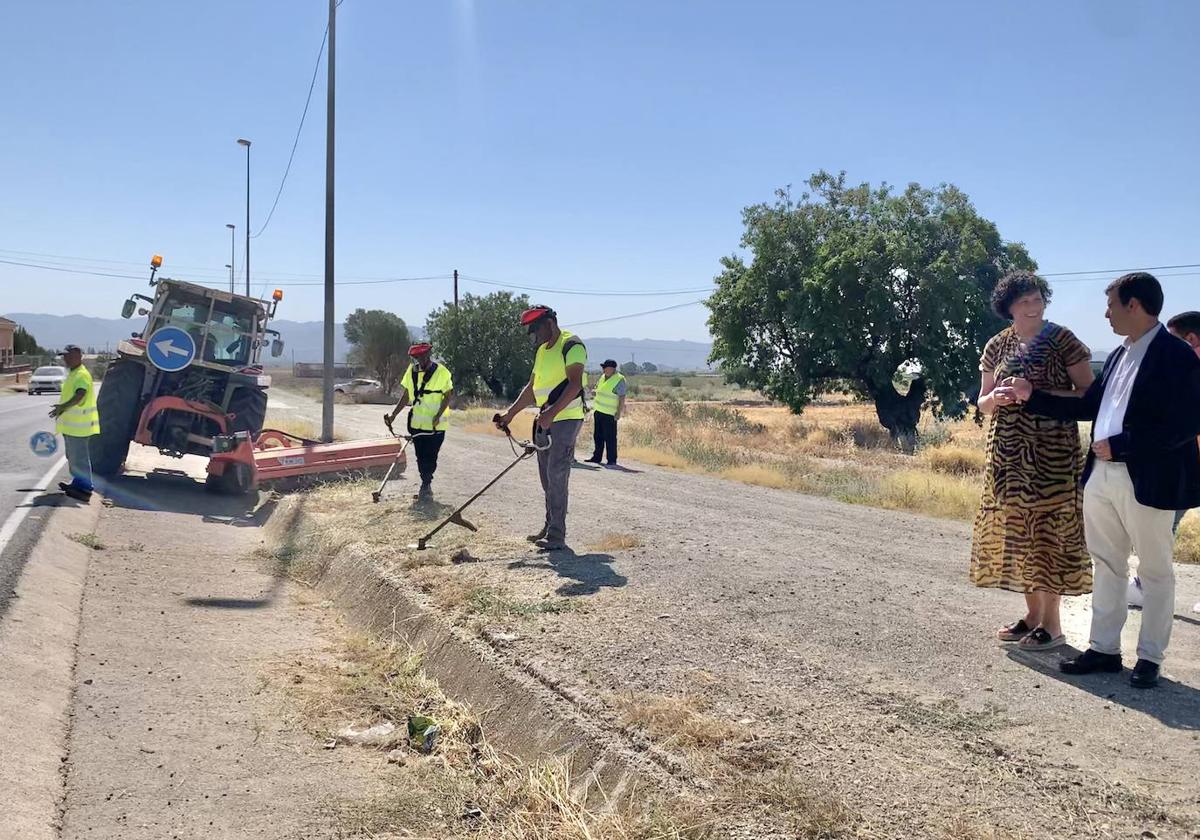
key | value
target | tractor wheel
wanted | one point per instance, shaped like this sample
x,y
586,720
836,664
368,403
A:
x,y
235,481
119,405
249,405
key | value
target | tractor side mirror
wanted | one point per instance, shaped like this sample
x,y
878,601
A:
x,y
277,347
127,308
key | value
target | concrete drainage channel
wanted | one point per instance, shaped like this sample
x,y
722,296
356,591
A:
x,y
525,713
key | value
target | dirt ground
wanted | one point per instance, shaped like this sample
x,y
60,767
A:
x,y
840,643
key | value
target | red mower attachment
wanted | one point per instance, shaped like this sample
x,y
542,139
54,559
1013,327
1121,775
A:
x,y
239,465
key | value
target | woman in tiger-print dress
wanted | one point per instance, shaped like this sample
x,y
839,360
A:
x,y
1029,531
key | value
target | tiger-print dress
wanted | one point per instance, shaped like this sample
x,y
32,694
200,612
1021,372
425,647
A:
x,y
1029,529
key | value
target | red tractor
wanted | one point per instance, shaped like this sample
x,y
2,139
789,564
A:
x,y
190,383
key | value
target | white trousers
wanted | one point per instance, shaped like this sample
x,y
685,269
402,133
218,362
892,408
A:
x,y
1114,522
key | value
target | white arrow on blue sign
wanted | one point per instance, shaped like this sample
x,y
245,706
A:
x,y
44,444
171,348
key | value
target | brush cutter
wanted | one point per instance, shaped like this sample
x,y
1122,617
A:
x,y
521,448
376,495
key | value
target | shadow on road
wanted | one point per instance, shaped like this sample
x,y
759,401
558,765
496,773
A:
x,y
1172,703
174,491
281,560
590,572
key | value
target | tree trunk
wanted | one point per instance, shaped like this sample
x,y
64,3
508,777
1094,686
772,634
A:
x,y
900,413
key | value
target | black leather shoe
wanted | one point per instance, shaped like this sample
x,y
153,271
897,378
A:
x,y
1090,661
1145,674
77,494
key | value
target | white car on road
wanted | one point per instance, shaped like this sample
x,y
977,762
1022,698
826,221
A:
x,y
49,378
359,388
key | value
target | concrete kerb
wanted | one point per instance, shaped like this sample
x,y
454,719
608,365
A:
x,y
38,638
523,714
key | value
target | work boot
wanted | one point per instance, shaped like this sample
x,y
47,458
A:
x,y
538,537
426,491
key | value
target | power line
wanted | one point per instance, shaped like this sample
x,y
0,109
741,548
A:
x,y
635,314
1119,270
296,141
654,293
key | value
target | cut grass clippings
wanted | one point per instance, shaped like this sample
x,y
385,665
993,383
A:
x,y
616,542
498,603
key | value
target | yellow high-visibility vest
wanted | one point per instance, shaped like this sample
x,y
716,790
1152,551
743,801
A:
x,y
426,405
550,371
81,419
607,402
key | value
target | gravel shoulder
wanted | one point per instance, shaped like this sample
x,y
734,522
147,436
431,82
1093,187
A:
x,y
847,642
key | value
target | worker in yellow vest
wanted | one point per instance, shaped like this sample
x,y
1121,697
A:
x,y
556,388
427,386
608,405
78,421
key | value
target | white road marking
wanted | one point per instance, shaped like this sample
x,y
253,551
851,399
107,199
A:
x,y
9,528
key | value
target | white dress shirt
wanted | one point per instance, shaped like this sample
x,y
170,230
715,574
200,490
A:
x,y
1110,421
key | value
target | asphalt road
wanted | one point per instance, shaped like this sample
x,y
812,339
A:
x,y
20,472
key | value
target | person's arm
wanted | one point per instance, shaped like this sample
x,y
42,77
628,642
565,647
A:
x,y
989,400
79,396
574,386
391,417
1081,378
522,402
445,404
1085,407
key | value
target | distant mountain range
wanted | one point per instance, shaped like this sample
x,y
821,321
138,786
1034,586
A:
x,y
304,340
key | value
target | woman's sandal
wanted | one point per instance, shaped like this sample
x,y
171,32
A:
x,y
1040,639
1014,632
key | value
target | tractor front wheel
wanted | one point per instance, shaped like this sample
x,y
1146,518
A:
x,y
119,405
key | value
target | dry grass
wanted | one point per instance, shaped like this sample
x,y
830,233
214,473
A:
x,y
1187,541
297,427
90,540
953,460
674,721
616,542
365,682
809,812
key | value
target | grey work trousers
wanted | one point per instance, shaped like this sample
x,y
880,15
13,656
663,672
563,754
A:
x,y
554,469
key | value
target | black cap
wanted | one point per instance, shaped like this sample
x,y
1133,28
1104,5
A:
x,y
71,347
608,363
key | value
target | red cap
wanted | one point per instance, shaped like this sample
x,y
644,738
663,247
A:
x,y
423,349
536,313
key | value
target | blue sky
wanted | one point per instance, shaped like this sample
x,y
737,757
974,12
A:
x,y
580,145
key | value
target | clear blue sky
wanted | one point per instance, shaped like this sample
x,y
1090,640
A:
x,y
581,145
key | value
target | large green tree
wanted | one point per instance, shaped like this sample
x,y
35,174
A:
x,y
380,342
25,344
483,343
864,286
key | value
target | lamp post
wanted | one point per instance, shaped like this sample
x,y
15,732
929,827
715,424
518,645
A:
x,y
232,247
246,143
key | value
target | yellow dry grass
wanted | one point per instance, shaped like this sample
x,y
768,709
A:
x,y
616,542
1187,541
674,721
297,427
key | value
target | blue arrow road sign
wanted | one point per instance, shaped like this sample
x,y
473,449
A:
x,y
44,444
171,348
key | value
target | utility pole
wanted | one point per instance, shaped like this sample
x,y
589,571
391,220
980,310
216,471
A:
x,y
246,143
456,288
232,253
327,400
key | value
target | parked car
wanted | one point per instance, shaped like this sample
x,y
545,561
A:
x,y
49,378
359,388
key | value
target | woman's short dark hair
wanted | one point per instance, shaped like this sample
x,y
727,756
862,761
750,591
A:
x,y
1017,284
1140,286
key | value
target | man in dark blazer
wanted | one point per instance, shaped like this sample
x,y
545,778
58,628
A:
x,y
1143,466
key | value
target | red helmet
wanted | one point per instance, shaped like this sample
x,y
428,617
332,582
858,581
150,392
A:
x,y
423,349
531,316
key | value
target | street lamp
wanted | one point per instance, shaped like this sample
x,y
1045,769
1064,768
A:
x,y
246,143
232,230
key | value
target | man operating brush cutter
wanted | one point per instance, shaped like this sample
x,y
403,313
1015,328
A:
x,y
427,386
556,387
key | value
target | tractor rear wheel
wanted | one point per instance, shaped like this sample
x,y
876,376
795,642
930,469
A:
x,y
249,407
119,405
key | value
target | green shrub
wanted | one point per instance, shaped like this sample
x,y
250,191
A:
x,y
676,382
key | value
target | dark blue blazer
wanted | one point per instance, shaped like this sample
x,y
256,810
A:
x,y
1157,442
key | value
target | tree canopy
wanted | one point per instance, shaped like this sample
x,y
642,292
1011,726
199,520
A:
x,y
865,286
380,342
483,343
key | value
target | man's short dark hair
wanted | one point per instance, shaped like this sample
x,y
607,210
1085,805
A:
x,y
1140,286
1014,285
1185,323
